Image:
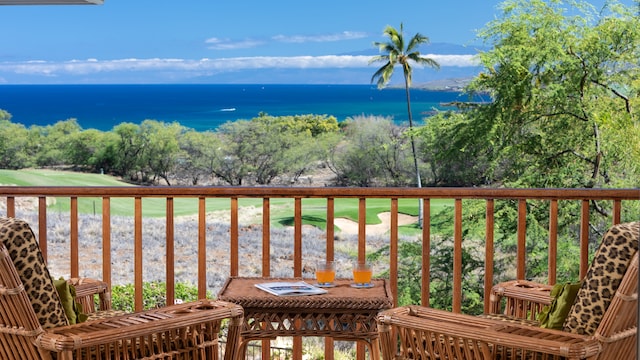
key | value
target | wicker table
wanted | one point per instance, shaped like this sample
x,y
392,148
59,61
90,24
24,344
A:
x,y
344,313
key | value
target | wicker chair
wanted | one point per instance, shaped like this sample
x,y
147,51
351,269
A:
x,y
33,324
602,322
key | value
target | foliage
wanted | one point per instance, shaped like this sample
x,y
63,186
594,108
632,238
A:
x,y
197,149
374,153
453,159
153,294
562,79
15,148
266,147
441,271
564,82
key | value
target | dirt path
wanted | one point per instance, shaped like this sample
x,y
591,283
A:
x,y
351,227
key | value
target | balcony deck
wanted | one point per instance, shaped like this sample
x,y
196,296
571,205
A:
x,y
521,198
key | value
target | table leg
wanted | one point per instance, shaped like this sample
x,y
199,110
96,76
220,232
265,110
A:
x,y
374,349
386,342
233,339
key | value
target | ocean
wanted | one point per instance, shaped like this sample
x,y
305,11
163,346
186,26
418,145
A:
x,y
205,107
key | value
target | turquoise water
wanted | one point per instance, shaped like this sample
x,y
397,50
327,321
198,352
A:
x,y
205,107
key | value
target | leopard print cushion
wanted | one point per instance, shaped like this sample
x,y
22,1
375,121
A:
x,y
17,237
609,265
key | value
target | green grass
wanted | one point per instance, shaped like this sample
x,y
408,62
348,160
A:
x,y
282,210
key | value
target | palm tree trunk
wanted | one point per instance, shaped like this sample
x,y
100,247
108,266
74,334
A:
x,y
413,150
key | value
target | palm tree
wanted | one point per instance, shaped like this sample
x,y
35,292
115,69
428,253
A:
x,y
395,53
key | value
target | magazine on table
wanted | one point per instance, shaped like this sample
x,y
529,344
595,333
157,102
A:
x,y
297,288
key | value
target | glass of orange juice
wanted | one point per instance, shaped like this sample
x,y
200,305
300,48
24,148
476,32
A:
x,y
325,273
362,274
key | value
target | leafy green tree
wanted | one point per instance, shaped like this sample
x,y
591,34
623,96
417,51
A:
x,y
197,151
454,158
395,53
266,147
374,153
53,141
563,87
106,155
16,150
128,149
83,148
161,149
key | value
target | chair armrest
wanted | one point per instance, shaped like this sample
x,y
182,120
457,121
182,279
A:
x,y
86,291
174,326
519,299
433,333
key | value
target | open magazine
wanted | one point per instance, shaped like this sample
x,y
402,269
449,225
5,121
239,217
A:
x,y
297,288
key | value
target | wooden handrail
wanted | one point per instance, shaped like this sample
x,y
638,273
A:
x,y
322,192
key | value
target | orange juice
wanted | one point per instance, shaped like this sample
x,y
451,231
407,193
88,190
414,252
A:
x,y
325,272
325,276
362,274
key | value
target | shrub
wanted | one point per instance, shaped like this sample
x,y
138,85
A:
x,y
153,294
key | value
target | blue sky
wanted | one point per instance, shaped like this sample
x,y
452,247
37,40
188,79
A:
x,y
240,41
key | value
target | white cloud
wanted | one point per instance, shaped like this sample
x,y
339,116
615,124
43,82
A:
x,y
455,60
229,44
89,66
345,35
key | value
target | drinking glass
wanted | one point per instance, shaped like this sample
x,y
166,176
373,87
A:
x,y
362,274
325,273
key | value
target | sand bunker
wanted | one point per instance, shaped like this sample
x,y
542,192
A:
x,y
351,227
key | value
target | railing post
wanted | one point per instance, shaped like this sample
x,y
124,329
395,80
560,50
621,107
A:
x,y
457,257
426,253
553,240
42,225
137,250
584,239
202,249
266,236
521,260
488,253
170,252
393,249
73,233
106,240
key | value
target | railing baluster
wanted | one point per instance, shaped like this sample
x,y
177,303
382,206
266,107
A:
x,y
297,238
362,229
393,249
330,229
170,252
584,238
617,210
74,237
553,240
11,206
266,237
42,225
202,249
234,241
426,252
457,257
137,250
521,257
106,240
488,251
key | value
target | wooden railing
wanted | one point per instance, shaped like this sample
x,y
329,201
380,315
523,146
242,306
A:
x,y
585,197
